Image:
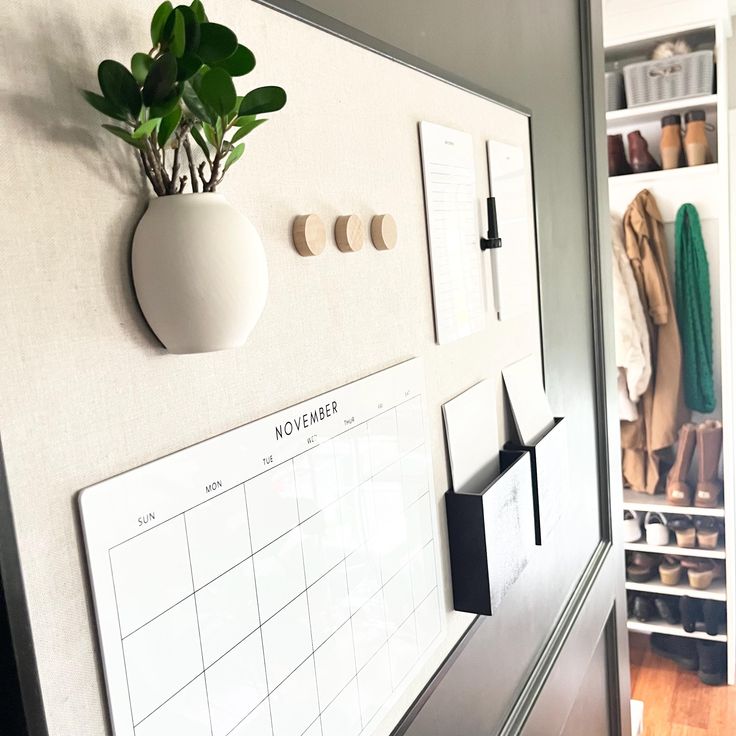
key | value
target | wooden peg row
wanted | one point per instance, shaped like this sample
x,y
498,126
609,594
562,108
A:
x,y
308,233
349,233
384,232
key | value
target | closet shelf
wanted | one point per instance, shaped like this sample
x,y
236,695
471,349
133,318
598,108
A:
x,y
682,175
635,501
716,592
654,112
659,626
719,553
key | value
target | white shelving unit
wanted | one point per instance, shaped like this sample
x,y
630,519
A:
x,y
719,553
658,626
716,591
633,116
707,187
634,501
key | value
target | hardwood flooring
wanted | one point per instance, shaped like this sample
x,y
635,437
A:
x,y
676,703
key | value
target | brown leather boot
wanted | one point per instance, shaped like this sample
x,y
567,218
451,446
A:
x,y
678,491
670,144
641,159
617,163
709,444
697,148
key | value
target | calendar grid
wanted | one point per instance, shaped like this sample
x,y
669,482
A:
x,y
295,602
199,631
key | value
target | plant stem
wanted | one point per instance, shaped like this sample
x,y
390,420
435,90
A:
x,y
190,158
150,174
215,170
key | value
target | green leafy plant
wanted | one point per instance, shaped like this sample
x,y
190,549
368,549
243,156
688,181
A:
x,y
183,90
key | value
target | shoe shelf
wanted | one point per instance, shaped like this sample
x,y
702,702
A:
x,y
660,626
716,592
653,113
635,501
719,553
682,175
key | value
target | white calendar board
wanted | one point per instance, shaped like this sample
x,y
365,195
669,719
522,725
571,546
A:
x,y
277,580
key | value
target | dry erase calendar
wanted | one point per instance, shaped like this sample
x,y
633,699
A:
x,y
277,580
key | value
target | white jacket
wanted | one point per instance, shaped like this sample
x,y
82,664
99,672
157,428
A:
x,y
633,354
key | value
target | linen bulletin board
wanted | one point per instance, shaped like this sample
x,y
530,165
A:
x,y
347,142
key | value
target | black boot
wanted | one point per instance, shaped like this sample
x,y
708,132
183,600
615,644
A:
x,y
668,609
677,648
691,611
712,659
714,613
643,608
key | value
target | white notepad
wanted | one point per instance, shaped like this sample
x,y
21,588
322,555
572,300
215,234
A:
x,y
472,438
529,405
458,294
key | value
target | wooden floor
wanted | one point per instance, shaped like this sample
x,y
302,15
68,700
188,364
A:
x,y
676,703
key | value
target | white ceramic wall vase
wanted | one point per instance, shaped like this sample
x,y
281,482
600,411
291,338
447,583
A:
x,y
199,272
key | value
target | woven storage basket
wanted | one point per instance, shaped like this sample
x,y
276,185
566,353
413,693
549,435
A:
x,y
614,90
686,75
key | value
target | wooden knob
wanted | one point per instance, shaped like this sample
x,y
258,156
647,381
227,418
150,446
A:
x,y
349,233
383,232
308,233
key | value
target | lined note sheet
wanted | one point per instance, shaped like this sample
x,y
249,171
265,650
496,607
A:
x,y
514,272
452,225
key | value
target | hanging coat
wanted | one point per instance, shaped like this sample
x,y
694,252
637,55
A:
x,y
646,440
633,357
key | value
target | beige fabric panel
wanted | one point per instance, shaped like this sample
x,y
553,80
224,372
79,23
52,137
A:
x,y
87,392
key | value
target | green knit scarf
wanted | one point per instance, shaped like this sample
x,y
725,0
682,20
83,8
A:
x,y
692,302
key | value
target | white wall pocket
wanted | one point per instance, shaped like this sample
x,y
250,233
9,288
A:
x,y
491,536
549,475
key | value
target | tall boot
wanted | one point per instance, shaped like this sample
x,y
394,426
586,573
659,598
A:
x,y
678,490
670,144
617,163
641,159
711,662
691,611
697,148
709,443
714,613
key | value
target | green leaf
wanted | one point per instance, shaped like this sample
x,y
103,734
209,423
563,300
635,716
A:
x,y
188,66
145,129
177,38
197,135
167,106
160,80
198,10
240,63
119,87
216,43
123,135
219,131
191,29
235,154
168,125
247,128
140,65
194,104
263,99
243,119
159,20
103,105
216,91
210,134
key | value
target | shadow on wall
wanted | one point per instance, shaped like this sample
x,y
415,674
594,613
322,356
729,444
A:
x,y
55,60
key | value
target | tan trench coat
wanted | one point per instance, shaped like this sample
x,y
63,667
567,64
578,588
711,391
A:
x,y
646,440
